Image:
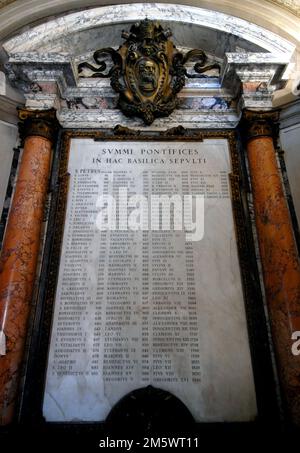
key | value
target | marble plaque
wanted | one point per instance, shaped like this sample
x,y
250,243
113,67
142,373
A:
x,y
140,307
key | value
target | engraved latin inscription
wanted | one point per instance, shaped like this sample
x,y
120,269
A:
x,y
136,307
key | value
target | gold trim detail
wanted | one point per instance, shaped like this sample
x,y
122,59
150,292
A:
x,y
41,123
260,124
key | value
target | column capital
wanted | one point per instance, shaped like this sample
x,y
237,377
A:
x,y
41,123
260,123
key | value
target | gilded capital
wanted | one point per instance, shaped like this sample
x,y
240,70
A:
x,y
41,123
260,124
147,70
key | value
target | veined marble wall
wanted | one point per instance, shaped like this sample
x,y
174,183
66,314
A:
x,y
39,37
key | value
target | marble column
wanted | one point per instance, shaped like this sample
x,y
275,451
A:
x,y
20,251
278,252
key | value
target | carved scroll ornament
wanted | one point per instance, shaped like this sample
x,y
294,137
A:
x,y
147,70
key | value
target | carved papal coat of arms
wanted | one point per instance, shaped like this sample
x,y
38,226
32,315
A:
x,y
148,71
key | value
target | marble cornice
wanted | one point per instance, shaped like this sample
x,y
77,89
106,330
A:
x,y
247,80
49,79
95,119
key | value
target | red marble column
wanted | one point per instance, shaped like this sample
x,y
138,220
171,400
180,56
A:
x,y
278,251
20,251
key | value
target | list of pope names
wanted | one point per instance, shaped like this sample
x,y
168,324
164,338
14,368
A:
x,y
135,306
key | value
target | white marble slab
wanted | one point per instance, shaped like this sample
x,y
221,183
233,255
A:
x,y
135,308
